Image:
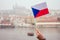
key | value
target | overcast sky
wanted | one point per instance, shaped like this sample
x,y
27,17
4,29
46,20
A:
x,y
8,4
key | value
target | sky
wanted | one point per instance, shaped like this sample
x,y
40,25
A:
x,y
8,4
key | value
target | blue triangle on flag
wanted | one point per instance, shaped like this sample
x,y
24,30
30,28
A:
x,y
35,12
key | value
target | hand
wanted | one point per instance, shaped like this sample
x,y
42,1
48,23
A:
x,y
39,35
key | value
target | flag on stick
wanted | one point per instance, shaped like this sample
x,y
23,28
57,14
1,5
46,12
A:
x,y
40,9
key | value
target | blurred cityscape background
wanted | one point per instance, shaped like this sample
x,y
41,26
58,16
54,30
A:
x,y
21,16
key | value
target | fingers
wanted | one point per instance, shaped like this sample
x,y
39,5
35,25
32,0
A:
x,y
37,31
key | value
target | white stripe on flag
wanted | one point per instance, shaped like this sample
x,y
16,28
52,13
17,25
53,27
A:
x,y
40,6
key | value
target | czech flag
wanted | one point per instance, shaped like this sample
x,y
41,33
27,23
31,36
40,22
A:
x,y
40,9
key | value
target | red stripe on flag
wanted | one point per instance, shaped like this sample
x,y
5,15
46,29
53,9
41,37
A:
x,y
42,12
